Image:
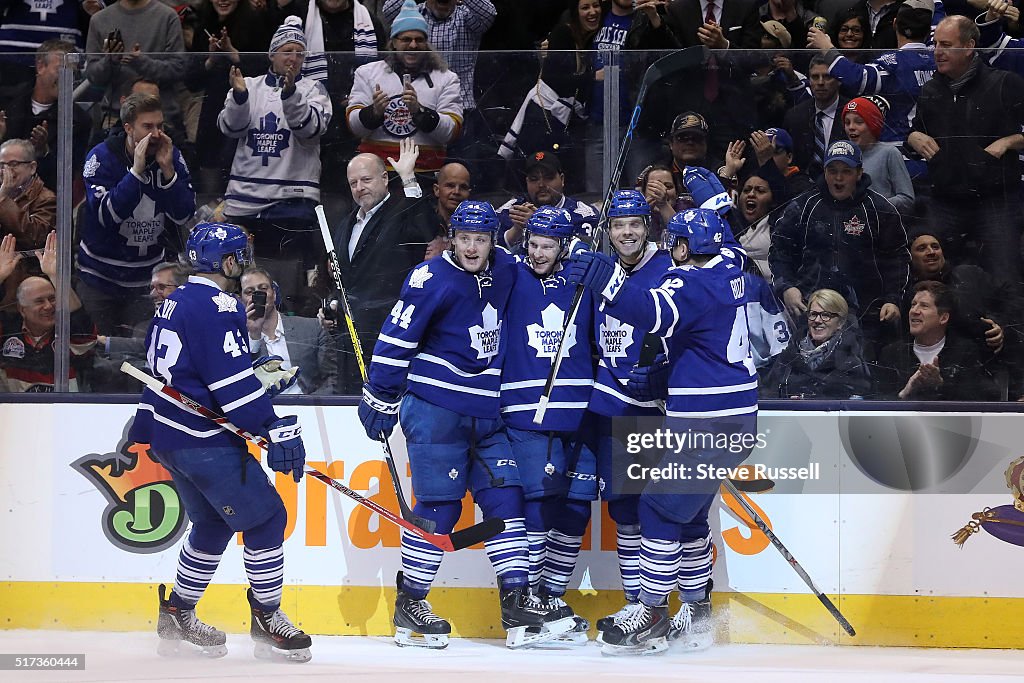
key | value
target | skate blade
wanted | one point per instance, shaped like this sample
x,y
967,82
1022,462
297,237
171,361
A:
x,y
405,637
651,647
268,651
185,649
527,636
692,642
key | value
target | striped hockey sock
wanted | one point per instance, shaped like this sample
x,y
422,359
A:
x,y
265,570
659,569
537,541
563,550
420,562
509,553
195,571
695,569
627,546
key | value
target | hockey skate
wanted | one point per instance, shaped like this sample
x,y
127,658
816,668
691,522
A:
x,y
416,625
642,630
692,628
578,634
275,636
181,632
529,620
605,623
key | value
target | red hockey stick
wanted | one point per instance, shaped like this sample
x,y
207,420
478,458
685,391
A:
x,y
457,540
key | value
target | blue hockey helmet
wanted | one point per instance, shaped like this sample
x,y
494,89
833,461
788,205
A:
x,y
702,228
550,221
473,216
628,203
209,243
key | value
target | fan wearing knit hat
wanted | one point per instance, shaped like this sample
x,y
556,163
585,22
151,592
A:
x,y
277,120
864,121
409,93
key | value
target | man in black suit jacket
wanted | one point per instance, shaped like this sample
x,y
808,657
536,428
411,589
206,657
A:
x,y
800,120
378,243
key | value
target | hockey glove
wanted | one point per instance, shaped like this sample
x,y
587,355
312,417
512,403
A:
x,y
378,415
706,189
649,383
596,271
274,379
286,452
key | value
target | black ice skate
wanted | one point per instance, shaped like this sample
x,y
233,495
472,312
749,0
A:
x,y
275,636
416,625
642,630
529,620
692,628
578,634
181,632
605,623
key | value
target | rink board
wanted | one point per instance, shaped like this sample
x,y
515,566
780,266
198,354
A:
x,y
92,524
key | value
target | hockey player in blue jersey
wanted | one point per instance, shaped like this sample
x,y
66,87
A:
x,y
619,346
197,344
439,357
557,470
698,308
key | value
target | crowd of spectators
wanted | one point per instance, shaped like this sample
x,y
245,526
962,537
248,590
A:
x,y
873,149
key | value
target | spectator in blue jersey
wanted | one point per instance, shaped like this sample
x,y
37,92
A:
x,y
707,379
558,471
439,358
843,236
863,118
994,28
31,113
968,129
896,75
278,119
298,341
198,341
828,361
545,183
138,195
133,38
27,336
25,25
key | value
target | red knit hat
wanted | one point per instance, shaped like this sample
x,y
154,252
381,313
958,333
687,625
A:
x,y
871,111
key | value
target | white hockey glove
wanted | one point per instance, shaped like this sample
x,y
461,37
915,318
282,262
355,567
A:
x,y
274,379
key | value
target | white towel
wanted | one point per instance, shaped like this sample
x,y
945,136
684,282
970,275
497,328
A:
x,y
546,98
364,37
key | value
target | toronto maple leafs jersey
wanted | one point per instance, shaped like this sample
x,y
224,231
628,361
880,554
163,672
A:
x,y
126,215
769,332
619,344
197,343
536,314
701,315
27,23
444,340
278,151
584,216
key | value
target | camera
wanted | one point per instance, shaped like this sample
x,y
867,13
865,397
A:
x,y
259,300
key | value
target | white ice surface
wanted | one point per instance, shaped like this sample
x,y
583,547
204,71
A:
x,y
132,657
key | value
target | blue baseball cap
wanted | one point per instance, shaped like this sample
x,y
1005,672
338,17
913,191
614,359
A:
x,y
844,151
780,138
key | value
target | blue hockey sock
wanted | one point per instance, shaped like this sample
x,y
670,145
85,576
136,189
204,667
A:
x,y
195,571
695,568
509,551
659,570
265,570
563,551
627,547
421,560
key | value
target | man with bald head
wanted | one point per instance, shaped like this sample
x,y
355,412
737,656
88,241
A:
x,y
451,187
378,243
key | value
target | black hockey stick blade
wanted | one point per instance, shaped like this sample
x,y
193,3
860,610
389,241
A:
x,y
427,525
836,614
673,62
478,533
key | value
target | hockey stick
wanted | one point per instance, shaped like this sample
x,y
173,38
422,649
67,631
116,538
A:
x,y
332,260
457,540
663,67
788,556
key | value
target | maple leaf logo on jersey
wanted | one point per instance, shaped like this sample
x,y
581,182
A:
x,y
546,336
614,337
855,226
485,338
44,7
268,140
92,164
226,303
420,277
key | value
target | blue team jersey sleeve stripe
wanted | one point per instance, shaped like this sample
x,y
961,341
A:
x,y
228,407
727,412
703,391
384,360
201,434
220,384
461,373
430,381
554,405
394,341
530,383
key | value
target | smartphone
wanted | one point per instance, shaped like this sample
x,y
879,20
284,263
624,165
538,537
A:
x,y
259,300
406,80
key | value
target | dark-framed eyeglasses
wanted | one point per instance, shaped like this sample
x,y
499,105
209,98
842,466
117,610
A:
x,y
823,316
851,29
14,164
